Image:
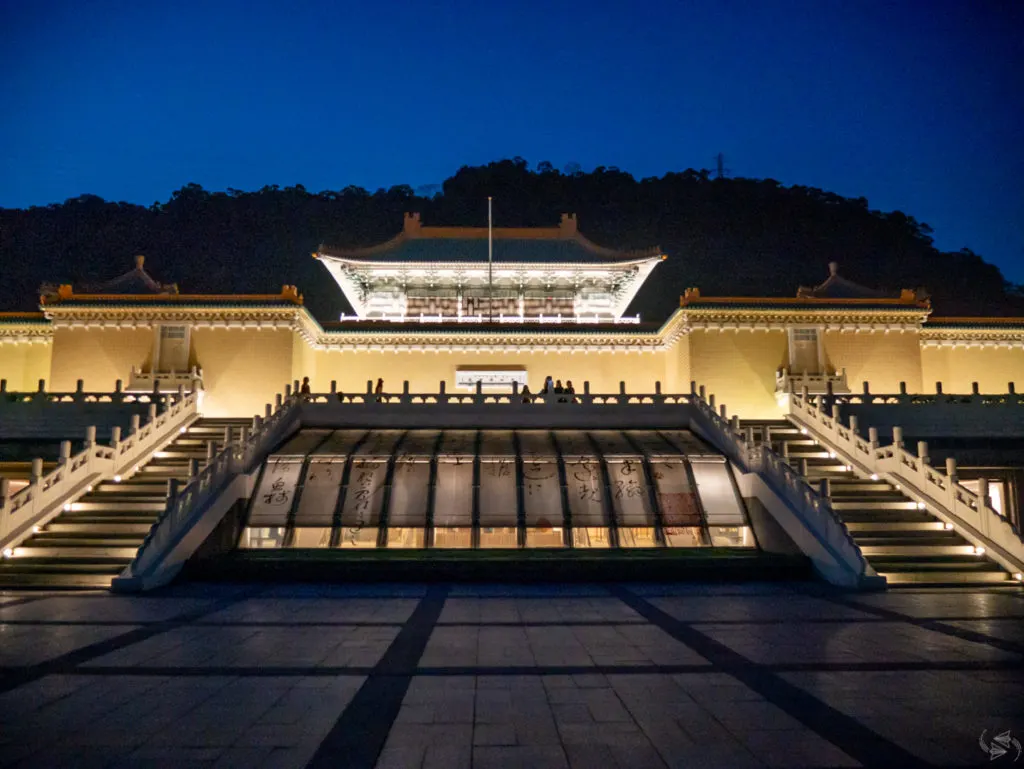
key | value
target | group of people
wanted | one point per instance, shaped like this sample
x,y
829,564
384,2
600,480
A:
x,y
552,387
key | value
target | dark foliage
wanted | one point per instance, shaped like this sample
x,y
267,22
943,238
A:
x,y
727,236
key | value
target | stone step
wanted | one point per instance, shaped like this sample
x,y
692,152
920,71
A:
x,y
883,527
885,516
934,563
151,505
940,578
903,550
937,537
100,551
61,526
62,581
860,504
71,564
83,539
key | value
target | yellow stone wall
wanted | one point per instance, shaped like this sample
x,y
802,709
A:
x,y
739,368
24,364
98,356
957,367
242,368
425,370
881,359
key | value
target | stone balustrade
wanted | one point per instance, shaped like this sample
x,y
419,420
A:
x,y
937,491
164,381
787,381
45,495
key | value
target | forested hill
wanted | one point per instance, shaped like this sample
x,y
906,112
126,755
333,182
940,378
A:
x,y
727,236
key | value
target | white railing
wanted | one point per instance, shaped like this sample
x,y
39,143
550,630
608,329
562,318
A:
x,y
45,495
424,317
79,395
958,401
814,510
164,381
787,381
184,506
939,492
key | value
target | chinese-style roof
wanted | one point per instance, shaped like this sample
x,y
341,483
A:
x,y
418,244
135,281
836,292
66,296
838,287
980,322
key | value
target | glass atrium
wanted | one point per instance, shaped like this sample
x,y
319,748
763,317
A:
x,y
352,488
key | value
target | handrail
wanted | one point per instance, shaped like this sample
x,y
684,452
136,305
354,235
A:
x,y
45,495
235,458
939,492
814,509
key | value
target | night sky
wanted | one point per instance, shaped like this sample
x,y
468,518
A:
x,y
915,105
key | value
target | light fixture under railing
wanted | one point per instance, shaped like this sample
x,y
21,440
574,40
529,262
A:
x,y
8,552
1018,576
979,550
947,526
117,479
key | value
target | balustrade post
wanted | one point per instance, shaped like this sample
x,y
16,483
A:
x,y
974,388
287,391
193,467
711,402
441,387
750,435
172,489
983,493
211,448
867,388
5,487
156,390
722,412
115,436
853,423
835,411
243,434
785,450
1011,388
515,388
79,388
657,388
65,453
479,388
369,387
693,387
181,393
873,437
151,412
829,390
133,425
703,392
42,385
3,385
803,468
766,435
227,435
90,436
825,488
334,387
36,471
622,388
295,386
278,401
586,387
951,470
734,423
268,411
257,422
922,452
938,388
805,394
903,388
897,436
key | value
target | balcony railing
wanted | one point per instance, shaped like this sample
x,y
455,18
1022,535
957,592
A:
x,y
787,381
164,381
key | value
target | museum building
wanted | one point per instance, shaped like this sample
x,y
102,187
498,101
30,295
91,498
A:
x,y
450,453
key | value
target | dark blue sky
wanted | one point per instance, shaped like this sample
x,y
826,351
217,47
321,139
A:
x,y
914,105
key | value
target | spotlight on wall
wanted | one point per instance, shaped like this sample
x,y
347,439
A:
x,y
8,552
947,526
874,476
920,505
979,550
117,479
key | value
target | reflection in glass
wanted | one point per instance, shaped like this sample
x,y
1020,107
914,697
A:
x,y
365,493
585,488
675,496
406,537
311,536
542,493
498,493
732,536
590,536
630,499
273,499
453,495
637,536
684,536
262,537
409,491
721,503
358,536
503,536
461,537
319,493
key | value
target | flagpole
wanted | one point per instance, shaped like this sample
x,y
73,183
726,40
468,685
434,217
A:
x,y
490,262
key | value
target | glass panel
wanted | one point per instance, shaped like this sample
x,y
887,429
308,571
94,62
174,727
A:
x,y
637,536
732,536
379,443
545,536
574,444
409,494
261,537
676,497
457,443
586,490
497,443
590,536
652,443
689,443
302,443
320,493
684,536
536,443
310,536
498,493
630,499
340,443
613,443
721,505
402,537
542,493
454,537
274,497
503,536
419,443
358,536
365,493
453,500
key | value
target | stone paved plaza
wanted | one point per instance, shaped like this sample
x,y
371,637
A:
x,y
629,675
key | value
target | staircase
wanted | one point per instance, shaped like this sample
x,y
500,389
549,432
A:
x,y
96,536
905,544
